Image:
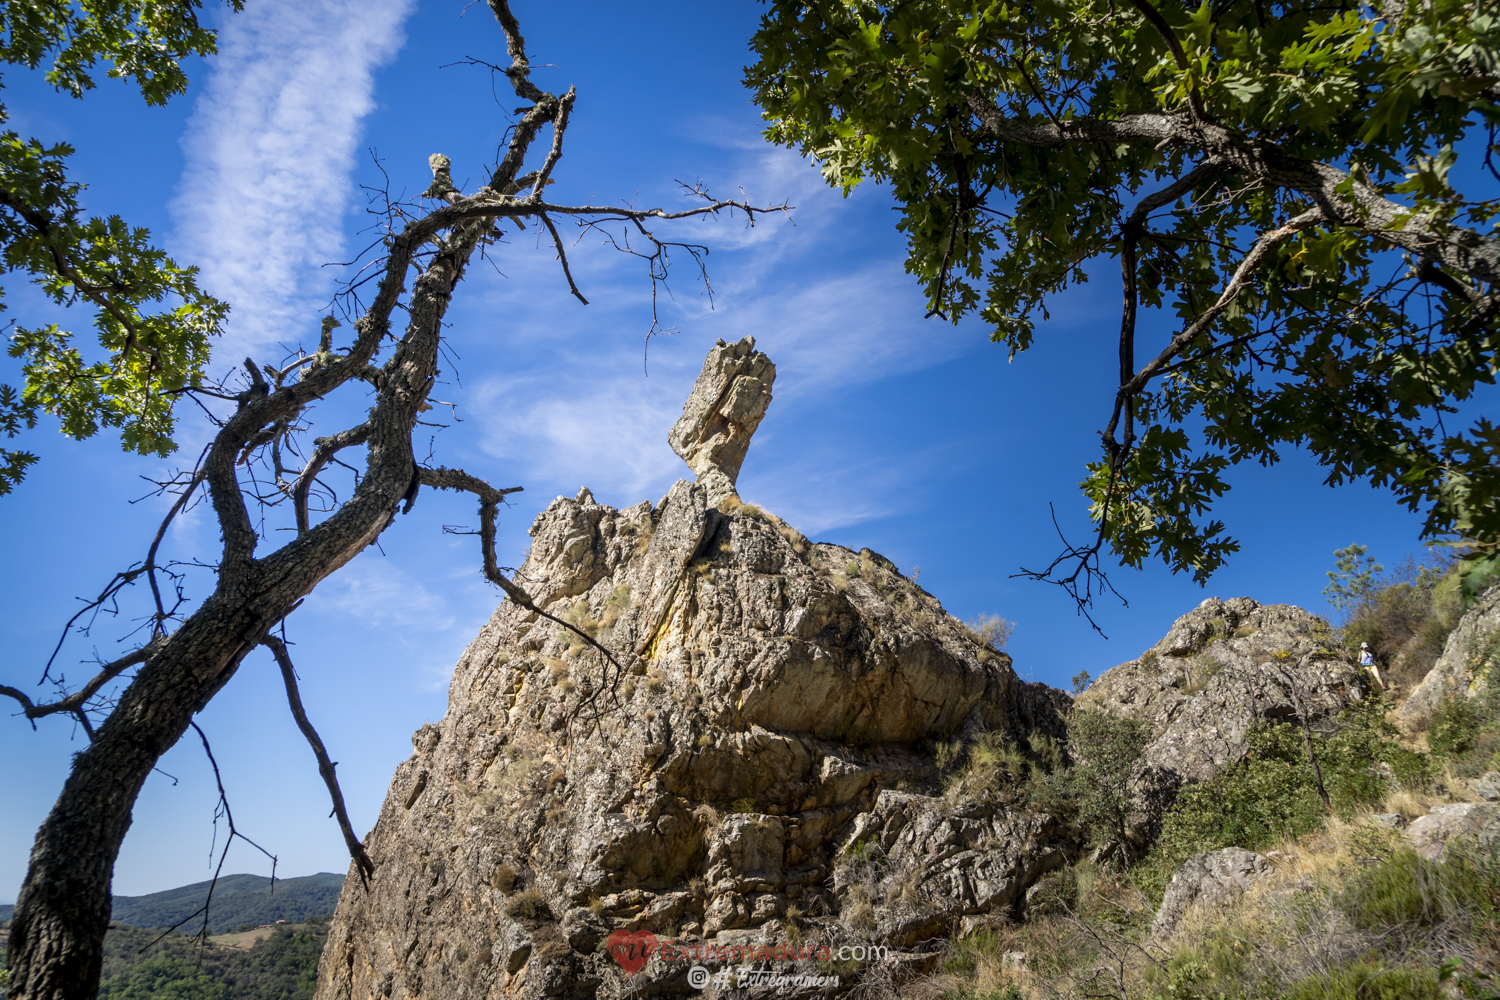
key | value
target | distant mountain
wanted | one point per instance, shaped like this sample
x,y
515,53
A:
x,y
238,900
6,909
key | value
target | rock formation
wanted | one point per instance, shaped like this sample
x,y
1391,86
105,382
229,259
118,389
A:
x,y
1223,667
764,772
784,750
1478,822
1473,647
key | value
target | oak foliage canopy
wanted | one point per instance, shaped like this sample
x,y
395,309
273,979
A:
x,y
1276,178
152,323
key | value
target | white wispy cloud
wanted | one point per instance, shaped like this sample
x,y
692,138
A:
x,y
377,593
269,154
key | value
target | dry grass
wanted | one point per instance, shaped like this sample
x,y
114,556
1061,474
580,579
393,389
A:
x,y
524,905
1410,804
798,540
733,505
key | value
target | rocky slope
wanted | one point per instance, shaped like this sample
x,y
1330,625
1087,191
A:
x,y
786,749
1223,667
775,729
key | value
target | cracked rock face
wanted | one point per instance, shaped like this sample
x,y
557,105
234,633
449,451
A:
x,y
1215,881
763,772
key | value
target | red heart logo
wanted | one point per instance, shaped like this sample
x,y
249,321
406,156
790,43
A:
x,y
632,949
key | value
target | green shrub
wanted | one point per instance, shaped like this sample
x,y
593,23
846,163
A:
x,y
1405,615
1362,981
991,764
964,955
1454,727
165,977
1404,889
1272,792
1105,749
1267,796
1220,953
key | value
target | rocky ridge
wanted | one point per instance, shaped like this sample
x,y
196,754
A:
x,y
770,764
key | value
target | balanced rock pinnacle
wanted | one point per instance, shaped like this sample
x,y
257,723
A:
x,y
726,406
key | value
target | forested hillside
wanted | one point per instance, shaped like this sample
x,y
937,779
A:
x,y
283,966
238,900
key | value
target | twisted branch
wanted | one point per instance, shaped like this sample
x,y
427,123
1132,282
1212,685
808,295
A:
x,y
489,501
325,766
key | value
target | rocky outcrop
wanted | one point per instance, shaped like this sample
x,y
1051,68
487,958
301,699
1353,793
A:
x,y
1472,648
760,770
1222,668
1215,880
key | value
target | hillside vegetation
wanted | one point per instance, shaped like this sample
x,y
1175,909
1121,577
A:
x,y
1346,906
283,966
1337,896
238,901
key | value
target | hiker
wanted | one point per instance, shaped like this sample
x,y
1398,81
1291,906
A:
x,y
1367,660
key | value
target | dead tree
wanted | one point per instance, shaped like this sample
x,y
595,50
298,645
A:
x,y
133,718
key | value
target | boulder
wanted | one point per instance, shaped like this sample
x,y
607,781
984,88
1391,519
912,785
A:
x,y
754,764
1472,648
725,407
1432,834
1215,880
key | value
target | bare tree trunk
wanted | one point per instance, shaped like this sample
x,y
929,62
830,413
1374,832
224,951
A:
x,y
57,938
1307,739
1312,754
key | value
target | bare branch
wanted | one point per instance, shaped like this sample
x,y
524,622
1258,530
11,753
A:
x,y
562,258
325,766
327,447
75,703
489,500
1238,283
222,809
559,126
1086,560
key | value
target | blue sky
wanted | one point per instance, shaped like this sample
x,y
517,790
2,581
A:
x,y
912,437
